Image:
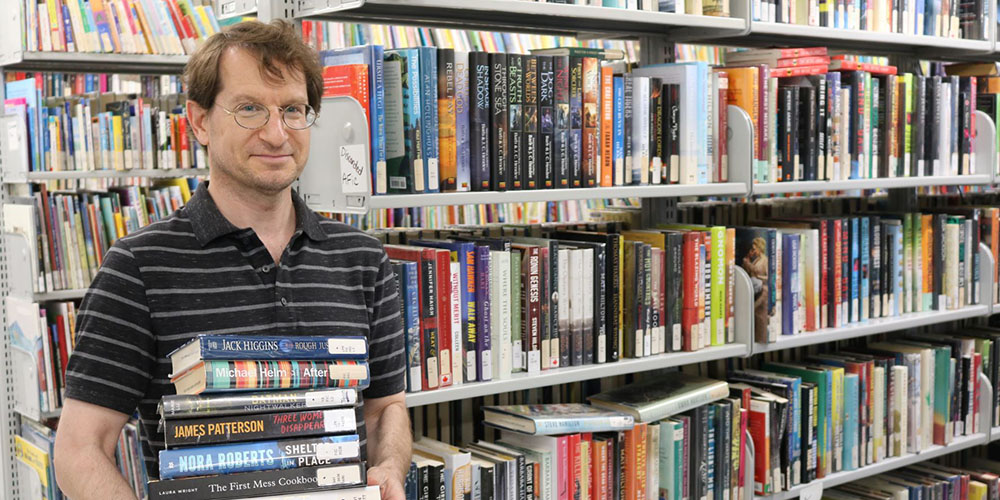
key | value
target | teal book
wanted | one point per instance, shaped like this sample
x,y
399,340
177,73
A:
x,y
822,380
851,448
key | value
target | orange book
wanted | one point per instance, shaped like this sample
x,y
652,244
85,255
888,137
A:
x,y
447,136
631,464
744,92
349,80
607,163
598,464
642,437
927,254
988,85
586,442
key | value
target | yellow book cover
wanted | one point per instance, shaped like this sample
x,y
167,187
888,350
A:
x,y
203,14
33,457
447,137
119,142
927,253
152,41
120,225
977,490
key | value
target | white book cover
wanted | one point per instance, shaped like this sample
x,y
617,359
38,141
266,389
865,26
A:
x,y
879,416
501,342
456,325
640,132
457,466
587,294
575,294
567,288
548,447
900,417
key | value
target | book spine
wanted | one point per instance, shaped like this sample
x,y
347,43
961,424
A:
x,y
254,375
257,456
447,136
500,145
562,143
606,155
484,349
515,111
463,111
231,347
531,160
591,154
272,482
235,428
546,154
480,156
429,117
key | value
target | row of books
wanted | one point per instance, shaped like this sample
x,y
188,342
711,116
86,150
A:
x,y
66,85
102,131
862,121
322,35
974,478
987,203
70,233
47,336
165,27
852,262
849,409
969,19
696,7
558,120
216,447
482,303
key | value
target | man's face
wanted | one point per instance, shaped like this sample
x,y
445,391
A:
x,y
270,158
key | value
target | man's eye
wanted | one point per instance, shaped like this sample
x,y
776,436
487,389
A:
x,y
295,110
249,108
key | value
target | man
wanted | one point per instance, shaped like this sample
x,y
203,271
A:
x,y
245,255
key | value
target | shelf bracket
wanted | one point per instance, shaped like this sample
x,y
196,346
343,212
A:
x,y
985,416
987,278
743,313
984,147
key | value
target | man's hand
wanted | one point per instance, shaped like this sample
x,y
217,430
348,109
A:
x,y
389,486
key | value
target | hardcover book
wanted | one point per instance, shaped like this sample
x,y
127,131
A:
x,y
301,480
238,428
187,406
658,398
553,419
249,375
231,347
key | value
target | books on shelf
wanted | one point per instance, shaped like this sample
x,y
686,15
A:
x,y
974,478
556,418
823,116
655,398
483,304
853,263
163,27
940,18
841,411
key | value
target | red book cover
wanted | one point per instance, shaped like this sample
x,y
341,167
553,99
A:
x,y
607,156
591,120
307,30
760,433
563,474
443,258
575,476
791,62
836,256
184,149
187,38
642,436
816,69
349,80
764,126
846,65
691,273
427,279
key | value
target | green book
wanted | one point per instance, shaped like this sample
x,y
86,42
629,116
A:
x,y
822,379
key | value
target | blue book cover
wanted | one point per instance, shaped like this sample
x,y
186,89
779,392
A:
x,y
68,29
865,249
851,412
272,347
855,264
408,288
429,116
25,89
894,237
484,344
463,252
258,456
372,56
618,144
463,105
411,178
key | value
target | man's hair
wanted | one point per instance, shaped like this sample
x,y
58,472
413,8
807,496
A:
x,y
275,45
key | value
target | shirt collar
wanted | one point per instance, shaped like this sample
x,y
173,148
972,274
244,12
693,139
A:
x,y
209,223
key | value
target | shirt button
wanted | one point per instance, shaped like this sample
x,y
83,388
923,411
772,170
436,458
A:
x,y
266,268
284,301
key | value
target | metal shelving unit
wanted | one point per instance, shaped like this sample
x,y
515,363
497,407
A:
x,y
857,184
116,174
60,295
88,61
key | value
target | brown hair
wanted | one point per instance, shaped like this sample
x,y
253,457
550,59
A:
x,y
275,45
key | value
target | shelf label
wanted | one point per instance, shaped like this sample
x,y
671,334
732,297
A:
x,y
354,169
813,491
13,144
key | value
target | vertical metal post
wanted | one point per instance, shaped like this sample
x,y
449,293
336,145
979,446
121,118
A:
x,y
8,470
269,10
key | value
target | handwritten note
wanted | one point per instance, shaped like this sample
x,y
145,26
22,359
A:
x,y
354,177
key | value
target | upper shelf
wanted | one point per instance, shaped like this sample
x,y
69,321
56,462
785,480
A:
x,y
519,16
95,62
881,183
780,34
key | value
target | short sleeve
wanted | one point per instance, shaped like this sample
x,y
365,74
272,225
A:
x,y
386,348
115,353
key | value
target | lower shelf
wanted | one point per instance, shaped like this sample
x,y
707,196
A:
x,y
523,380
885,466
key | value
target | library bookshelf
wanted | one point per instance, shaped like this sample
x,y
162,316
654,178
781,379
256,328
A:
x,y
546,18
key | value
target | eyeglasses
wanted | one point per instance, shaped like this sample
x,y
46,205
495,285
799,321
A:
x,y
252,116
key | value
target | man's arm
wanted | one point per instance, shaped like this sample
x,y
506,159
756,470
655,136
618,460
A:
x,y
389,439
85,452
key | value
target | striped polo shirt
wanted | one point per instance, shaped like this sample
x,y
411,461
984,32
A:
x,y
195,272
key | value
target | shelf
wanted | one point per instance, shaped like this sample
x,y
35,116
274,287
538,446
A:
x,y
519,16
886,465
994,434
59,295
474,197
782,34
886,183
116,174
523,380
96,62
871,327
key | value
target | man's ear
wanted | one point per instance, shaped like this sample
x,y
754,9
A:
x,y
198,120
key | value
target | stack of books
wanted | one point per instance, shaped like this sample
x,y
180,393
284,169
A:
x,y
258,416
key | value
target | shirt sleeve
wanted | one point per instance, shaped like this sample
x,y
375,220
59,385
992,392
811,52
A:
x,y
115,351
386,348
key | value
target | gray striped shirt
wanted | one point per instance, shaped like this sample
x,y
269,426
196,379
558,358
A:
x,y
195,272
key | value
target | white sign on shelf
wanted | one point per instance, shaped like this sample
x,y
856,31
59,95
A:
x,y
354,174
812,491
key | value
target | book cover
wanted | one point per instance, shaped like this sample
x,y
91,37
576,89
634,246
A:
x,y
222,375
551,419
546,154
204,347
515,116
606,155
591,149
257,456
655,399
479,129
406,172
430,120
562,143
530,161
238,428
271,482
500,146
447,120
618,133
576,147
189,406
408,288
